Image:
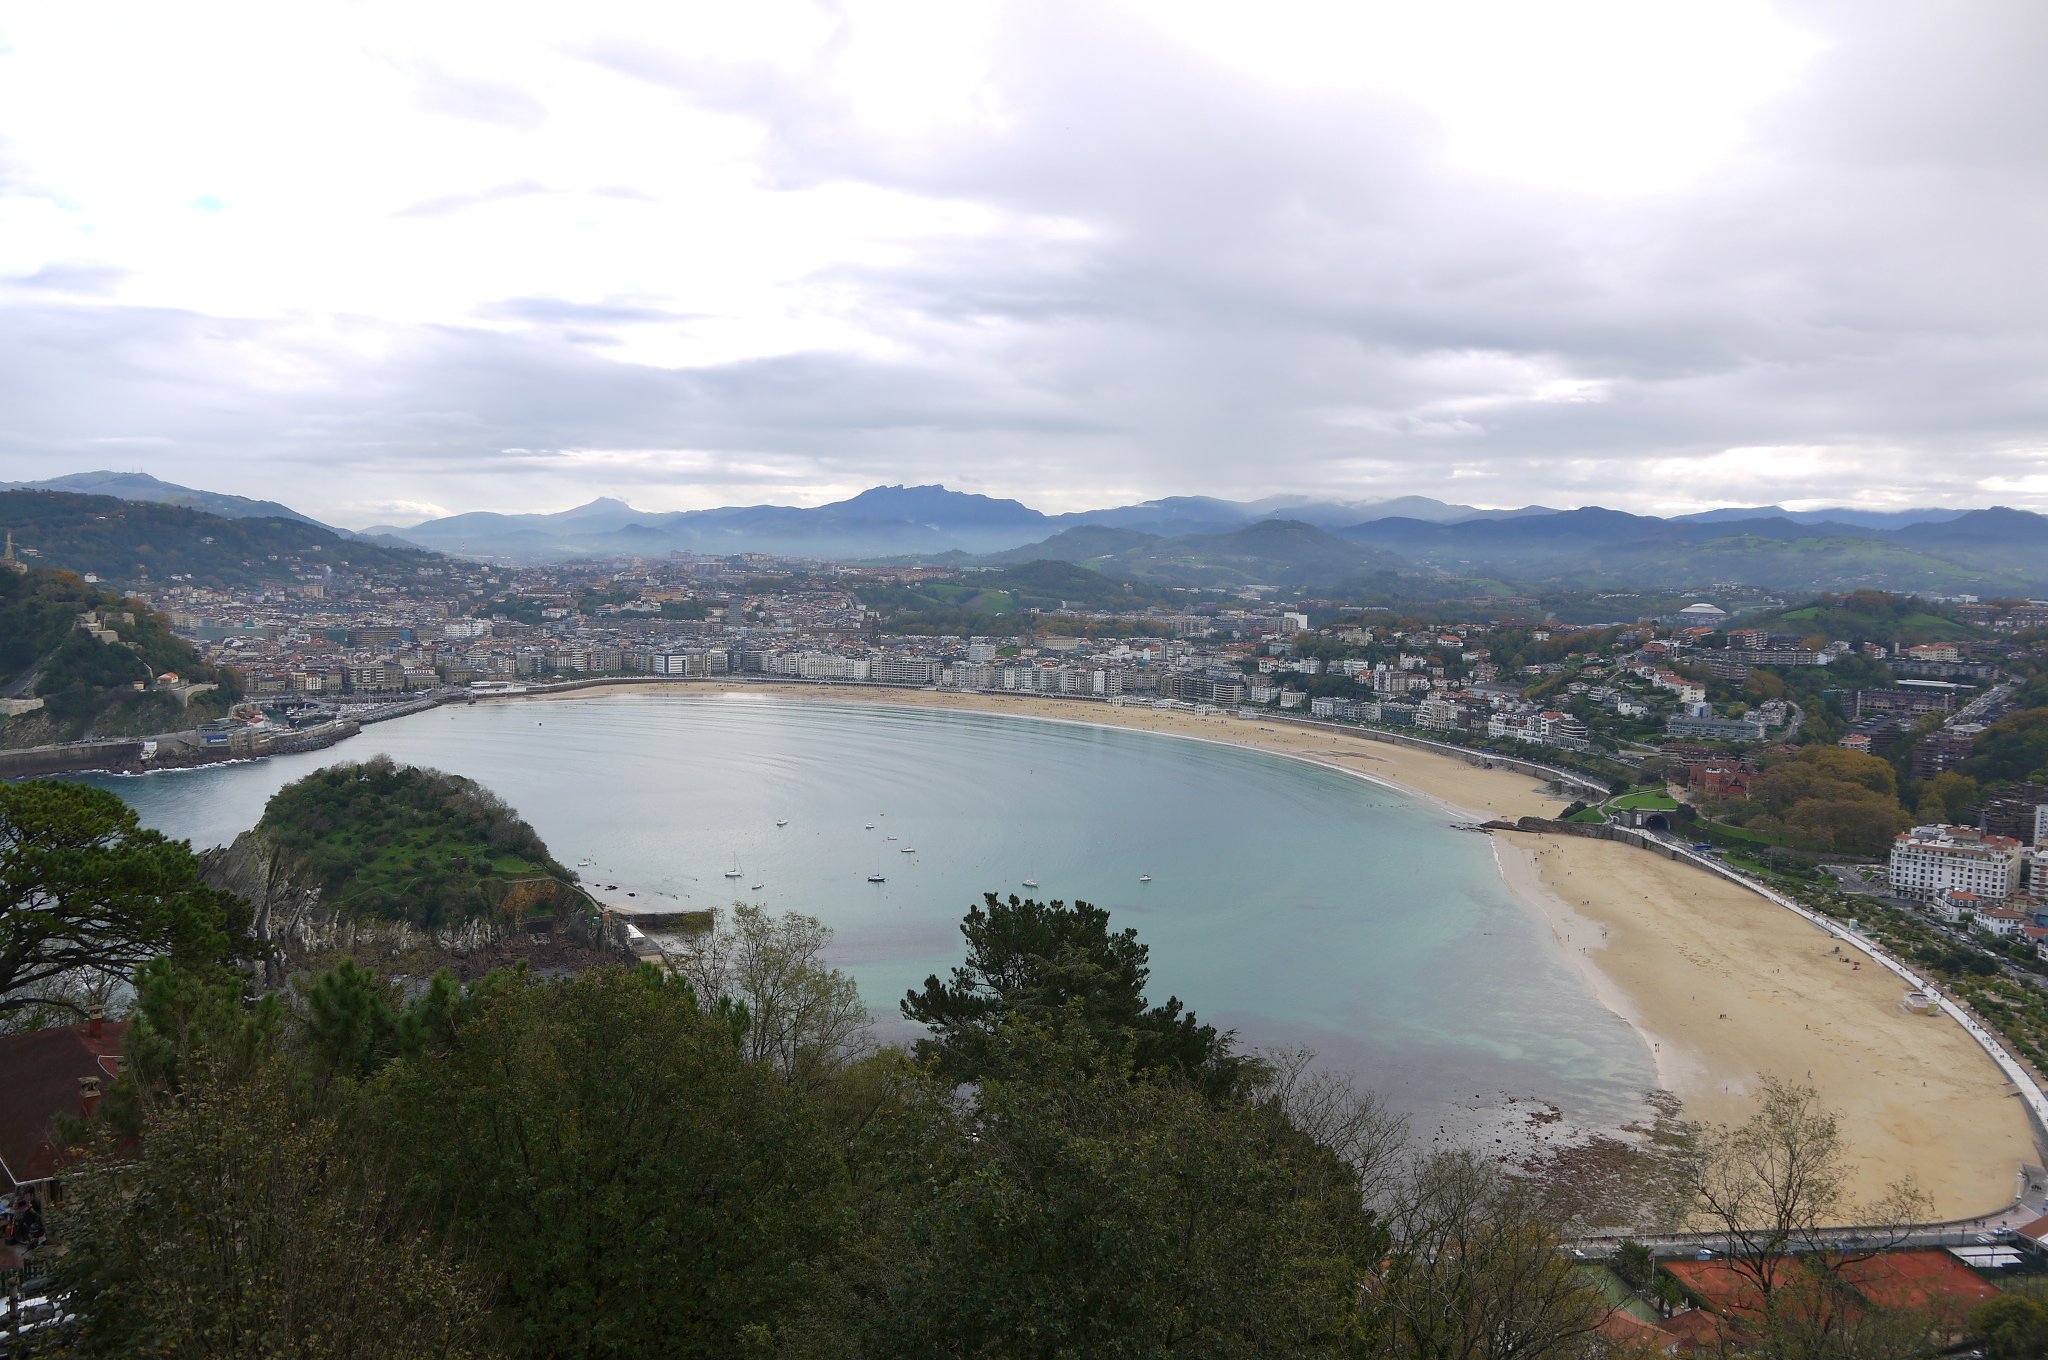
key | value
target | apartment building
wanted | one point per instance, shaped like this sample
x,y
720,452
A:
x,y
1928,859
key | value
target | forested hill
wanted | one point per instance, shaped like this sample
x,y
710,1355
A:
x,y
130,541
1868,616
400,843
968,604
87,683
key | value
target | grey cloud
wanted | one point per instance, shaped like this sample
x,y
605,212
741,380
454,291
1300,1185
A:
x,y
557,311
1245,293
70,277
444,204
483,101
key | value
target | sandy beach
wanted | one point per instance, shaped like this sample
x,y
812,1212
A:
x,y
1723,986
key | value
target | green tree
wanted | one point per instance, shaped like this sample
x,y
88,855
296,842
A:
x,y
1073,1208
181,1014
1774,1188
350,1023
242,1225
625,1181
2014,1327
804,1018
1478,1270
1034,959
2013,748
85,890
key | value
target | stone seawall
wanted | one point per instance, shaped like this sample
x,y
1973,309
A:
x,y
1627,835
175,751
70,759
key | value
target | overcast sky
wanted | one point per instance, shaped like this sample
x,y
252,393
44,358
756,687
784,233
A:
x,y
388,261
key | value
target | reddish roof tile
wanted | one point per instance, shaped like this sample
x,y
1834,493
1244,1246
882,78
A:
x,y
39,1071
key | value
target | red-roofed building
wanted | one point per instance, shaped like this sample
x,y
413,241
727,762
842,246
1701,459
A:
x,y
1696,1329
1933,1281
42,1074
1636,1335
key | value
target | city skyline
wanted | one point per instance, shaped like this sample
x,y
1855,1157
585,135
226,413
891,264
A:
x,y
383,265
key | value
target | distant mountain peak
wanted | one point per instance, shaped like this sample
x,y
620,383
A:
x,y
935,502
603,505
140,486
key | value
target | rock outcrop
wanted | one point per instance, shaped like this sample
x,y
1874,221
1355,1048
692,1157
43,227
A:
x,y
288,913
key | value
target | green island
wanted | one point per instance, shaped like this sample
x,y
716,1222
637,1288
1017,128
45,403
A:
x,y
404,844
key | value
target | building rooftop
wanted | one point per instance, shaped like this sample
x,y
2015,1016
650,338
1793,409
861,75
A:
x,y
39,1071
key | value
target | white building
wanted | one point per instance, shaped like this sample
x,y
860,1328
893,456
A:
x,y
1956,905
1929,858
2002,922
1438,714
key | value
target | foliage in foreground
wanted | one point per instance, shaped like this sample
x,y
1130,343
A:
x,y
619,1164
87,893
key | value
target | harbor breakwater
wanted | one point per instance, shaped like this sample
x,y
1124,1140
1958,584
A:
x,y
173,751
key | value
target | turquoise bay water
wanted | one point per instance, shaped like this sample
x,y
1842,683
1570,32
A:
x,y
1289,902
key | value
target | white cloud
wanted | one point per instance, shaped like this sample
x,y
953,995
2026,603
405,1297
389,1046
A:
x,y
1657,256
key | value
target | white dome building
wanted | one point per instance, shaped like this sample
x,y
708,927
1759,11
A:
x,y
1701,615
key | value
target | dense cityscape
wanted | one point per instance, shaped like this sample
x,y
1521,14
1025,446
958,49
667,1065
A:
x,y
884,680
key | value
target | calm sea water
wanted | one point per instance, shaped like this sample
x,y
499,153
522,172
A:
x,y
1291,903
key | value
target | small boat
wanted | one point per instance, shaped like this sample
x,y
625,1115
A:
x,y
734,872
877,878
870,827
909,850
1144,878
1030,882
782,821
892,838
757,887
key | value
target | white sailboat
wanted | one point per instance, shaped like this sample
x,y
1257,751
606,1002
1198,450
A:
x,y
734,872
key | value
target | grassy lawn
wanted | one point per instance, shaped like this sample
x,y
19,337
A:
x,y
1654,802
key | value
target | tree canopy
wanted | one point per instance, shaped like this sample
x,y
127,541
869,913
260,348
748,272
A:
x,y
1040,960
405,843
85,889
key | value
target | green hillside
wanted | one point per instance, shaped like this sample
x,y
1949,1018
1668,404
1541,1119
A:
x,y
130,541
87,685
1271,552
401,843
1797,564
1868,616
979,596
1085,543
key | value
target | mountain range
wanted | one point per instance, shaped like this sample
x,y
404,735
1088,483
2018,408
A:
x,y
1292,541
132,540
140,486
898,521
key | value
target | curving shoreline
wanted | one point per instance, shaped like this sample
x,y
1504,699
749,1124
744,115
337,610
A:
x,y
1668,947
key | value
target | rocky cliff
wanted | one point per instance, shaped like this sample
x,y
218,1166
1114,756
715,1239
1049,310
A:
x,y
288,913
